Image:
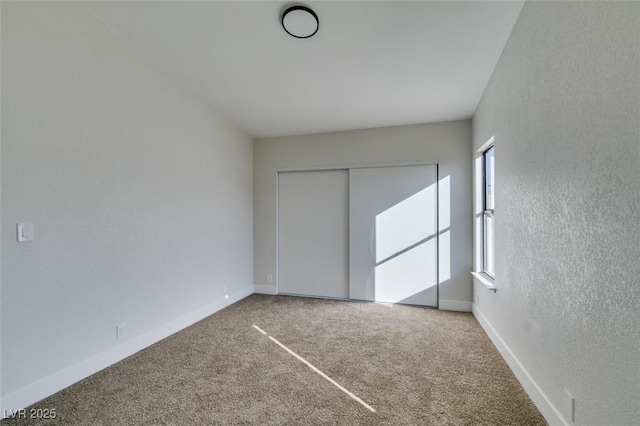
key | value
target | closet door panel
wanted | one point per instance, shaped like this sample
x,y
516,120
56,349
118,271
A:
x,y
393,234
313,237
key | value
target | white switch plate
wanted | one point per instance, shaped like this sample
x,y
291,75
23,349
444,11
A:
x,y
25,232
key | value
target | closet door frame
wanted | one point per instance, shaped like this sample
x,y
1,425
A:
x,y
348,167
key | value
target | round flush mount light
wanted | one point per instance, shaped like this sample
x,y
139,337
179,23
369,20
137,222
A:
x,y
300,22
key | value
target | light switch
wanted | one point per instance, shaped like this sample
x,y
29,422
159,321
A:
x,y
25,232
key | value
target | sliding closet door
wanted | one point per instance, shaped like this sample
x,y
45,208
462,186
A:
x,y
393,241
313,237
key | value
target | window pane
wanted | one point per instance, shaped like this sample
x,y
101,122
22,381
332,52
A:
x,y
489,179
489,244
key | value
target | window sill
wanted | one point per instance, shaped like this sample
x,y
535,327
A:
x,y
485,279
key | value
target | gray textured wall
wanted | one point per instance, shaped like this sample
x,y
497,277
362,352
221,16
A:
x,y
564,106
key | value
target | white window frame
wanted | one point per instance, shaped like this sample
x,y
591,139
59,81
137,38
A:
x,y
486,277
488,215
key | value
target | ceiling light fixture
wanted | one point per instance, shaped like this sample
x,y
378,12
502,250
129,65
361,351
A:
x,y
300,22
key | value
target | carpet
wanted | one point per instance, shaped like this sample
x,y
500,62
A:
x,y
412,365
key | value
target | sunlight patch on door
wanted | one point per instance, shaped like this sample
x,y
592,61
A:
x,y
406,223
407,275
406,250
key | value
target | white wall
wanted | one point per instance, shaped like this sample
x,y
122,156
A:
x,y
140,195
564,106
448,143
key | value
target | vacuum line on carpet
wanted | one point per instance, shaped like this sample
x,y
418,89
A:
x,y
320,373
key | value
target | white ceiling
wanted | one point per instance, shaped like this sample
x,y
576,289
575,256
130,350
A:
x,y
371,64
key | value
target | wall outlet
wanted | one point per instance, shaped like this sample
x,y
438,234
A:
x,y
269,279
477,299
569,406
121,331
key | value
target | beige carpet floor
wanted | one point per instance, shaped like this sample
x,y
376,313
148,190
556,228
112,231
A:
x,y
412,365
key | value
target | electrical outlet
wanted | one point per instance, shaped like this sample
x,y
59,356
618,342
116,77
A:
x,y
477,299
121,331
569,406
269,279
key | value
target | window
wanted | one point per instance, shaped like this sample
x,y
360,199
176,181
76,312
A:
x,y
488,235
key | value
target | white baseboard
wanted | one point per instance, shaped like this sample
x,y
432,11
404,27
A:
x,y
47,386
454,305
265,289
548,410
